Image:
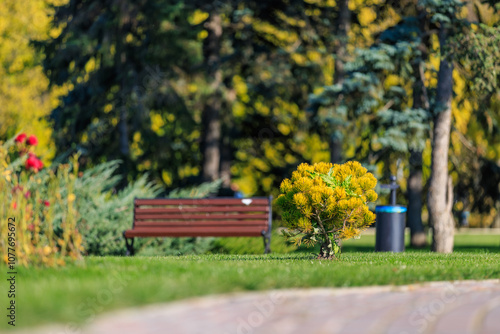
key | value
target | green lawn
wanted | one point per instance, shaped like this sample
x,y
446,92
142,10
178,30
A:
x,y
77,293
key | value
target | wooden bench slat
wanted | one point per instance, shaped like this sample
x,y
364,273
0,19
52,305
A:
x,y
163,223
140,210
200,228
169,230
201,202
205,232
201,215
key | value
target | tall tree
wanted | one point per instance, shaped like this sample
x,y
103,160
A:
x,y
452,27
418,237
211,114
440,199
343,24
119,59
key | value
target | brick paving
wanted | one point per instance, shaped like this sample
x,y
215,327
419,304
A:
x,y
459,307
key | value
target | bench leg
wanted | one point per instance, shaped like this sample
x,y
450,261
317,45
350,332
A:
x,y
267,242
130,246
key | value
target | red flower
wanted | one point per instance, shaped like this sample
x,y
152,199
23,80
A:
x,y
27,194
34,163
31,162
31,227
32,140
46,203
20,138
14,205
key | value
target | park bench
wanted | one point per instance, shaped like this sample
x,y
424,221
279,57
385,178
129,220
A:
x,y
208,217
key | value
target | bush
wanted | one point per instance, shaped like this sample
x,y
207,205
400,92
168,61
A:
x,y
30,194
327,203
104,212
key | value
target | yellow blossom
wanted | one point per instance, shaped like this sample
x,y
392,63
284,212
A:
x,y
47,250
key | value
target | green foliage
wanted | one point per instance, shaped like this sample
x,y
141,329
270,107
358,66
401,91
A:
x,y
104,212
327,203
478,52
117,62
205,189
405,130
444,11
373,98
139,74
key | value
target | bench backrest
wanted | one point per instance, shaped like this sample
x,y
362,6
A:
x,y
202,217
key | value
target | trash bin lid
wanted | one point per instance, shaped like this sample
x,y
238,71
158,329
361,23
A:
x,y
390,208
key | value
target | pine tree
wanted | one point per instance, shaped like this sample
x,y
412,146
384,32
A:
x,y
118,60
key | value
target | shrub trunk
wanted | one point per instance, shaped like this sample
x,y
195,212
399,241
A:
x,y
326,251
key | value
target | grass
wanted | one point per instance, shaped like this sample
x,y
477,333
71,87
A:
x,y
77,293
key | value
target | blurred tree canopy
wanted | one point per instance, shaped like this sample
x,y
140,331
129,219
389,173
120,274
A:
x,y
245,91
25,97
396,86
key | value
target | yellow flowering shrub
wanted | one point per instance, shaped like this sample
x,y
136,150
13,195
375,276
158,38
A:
x,y
327,203
40,203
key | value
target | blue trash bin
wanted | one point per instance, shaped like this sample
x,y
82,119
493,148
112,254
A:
x,y
390,226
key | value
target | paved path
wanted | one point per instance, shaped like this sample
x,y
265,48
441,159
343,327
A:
x,y
442,307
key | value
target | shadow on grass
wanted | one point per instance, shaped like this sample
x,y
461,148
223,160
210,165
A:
x,y
457,248
252,257
476,249
371,249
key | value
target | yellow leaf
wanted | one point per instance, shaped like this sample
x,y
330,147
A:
x,y
47,250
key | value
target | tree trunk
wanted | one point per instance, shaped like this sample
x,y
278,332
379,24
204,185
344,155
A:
x,y
418,237
440,192
225,160
420,100
211,127
326,250
343,26
123,133
124,148
211,141
335,148
496,220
